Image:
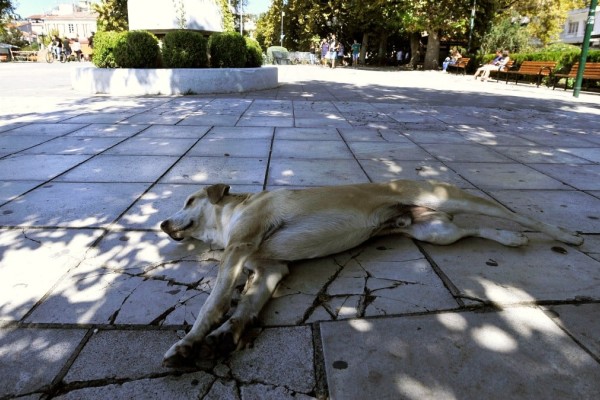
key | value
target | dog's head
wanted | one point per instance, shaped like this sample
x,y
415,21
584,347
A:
x,y
197,218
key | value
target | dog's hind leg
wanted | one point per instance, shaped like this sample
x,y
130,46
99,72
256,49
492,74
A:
x,y
467,203
224,339
217,304
437,228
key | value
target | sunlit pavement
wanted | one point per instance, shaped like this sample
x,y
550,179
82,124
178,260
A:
x,y
92,293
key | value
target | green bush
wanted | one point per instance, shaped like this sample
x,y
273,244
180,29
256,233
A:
x,y
136,49
227,50
270,51
104,44
185,49
255,56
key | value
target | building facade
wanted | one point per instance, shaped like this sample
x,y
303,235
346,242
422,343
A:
x,y
574,29
67,20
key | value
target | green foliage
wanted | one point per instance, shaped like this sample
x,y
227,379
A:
x,y
270,51
254,53
228,24
104,45
185,49
112,15
136,49
505,34
546,17
227,50
13,36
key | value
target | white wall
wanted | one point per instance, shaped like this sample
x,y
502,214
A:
x,y
160,15
579,16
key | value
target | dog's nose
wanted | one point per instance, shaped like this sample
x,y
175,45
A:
x,y
164,225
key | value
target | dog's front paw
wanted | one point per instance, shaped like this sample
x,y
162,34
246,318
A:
x,y
217,344
180,355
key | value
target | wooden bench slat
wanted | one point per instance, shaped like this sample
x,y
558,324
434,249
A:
x,y
505,68
591,72
533,68
461,64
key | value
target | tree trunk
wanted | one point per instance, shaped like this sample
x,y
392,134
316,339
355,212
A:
x,y
382,48
414,49
432,55
363,48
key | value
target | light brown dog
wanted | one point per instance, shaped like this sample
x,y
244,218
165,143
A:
x,y
264,231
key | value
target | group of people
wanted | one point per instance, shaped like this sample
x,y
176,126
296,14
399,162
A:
x,y
502,58
332,51
451,60
68,46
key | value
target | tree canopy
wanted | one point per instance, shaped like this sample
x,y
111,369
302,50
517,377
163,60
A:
x,y
432,21
112,15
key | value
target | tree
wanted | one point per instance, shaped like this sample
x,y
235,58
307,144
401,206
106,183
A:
x,y
506,33
7,12
544,18
228,23
112,15
7,9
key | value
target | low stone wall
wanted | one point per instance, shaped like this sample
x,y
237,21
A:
x,y
137,82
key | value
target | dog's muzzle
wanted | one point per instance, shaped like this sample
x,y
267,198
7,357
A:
x,y
173,232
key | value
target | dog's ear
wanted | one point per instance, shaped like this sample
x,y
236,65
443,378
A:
x,y
216,192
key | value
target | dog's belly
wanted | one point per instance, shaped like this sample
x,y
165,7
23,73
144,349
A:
x,y
317,236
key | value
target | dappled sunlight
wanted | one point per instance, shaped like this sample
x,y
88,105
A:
x,y
501,292
361,325
453,321
495,339
145,212
466,353
412,388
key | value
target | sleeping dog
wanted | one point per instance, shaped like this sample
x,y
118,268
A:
x,y
264,231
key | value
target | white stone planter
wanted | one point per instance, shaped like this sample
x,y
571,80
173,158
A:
x,y
136,82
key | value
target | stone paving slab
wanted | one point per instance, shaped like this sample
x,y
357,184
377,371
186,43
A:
x,y
92,288
33,358
516,353
33,261
485,271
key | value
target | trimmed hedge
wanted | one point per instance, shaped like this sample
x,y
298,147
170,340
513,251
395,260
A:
x,y
254,53
270,51
185,49
104,44
181,49
137,49
227,50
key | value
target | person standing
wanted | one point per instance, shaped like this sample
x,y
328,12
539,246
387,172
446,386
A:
x,y
57,46
340,53
324,52
333,49
355,53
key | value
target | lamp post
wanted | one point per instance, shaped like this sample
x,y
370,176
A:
x,y
281,39
584,47
472,25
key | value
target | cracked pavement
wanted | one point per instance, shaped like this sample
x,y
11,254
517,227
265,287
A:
x,y
92,293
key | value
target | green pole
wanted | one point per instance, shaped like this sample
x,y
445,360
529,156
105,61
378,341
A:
x,y
584,47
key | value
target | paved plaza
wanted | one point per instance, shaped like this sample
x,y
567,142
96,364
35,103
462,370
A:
x,y
92,293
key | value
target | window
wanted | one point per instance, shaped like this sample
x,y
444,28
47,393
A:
x,y
71,28
573,28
